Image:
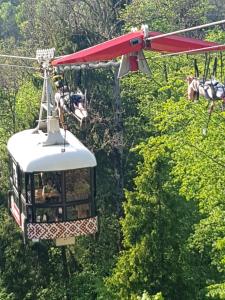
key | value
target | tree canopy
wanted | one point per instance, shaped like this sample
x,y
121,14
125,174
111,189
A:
x,y
160,187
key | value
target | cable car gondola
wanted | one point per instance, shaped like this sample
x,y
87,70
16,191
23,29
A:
x,y
52,178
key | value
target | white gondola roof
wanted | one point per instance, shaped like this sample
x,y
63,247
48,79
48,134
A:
x,y
28,151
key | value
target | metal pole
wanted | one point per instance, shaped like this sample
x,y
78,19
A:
x,y
48,94
184,30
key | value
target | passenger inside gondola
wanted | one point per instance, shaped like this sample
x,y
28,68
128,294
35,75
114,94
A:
x,y
49,214
47,187
59,197
49,190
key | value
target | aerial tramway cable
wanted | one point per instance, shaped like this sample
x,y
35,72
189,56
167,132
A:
x,y
17,57
199,50
19,66
185,30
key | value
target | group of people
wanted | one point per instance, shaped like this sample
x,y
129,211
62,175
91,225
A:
x,y
49,214
212,90
69,101
73,102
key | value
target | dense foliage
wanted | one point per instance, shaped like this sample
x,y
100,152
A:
x,y
160,189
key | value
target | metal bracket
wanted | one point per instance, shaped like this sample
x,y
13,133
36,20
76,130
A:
x,y
43,55
145,29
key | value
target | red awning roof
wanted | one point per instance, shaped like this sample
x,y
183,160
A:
x,y
176,43
132,42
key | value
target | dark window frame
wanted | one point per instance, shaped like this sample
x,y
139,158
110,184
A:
x,y
64,204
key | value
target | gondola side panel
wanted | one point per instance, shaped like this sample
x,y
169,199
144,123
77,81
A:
x,y
62,230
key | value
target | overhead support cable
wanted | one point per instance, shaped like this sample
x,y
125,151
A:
x,y
185,30
18,57
18,66
199,50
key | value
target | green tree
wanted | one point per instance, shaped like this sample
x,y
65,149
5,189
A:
x,y
28,100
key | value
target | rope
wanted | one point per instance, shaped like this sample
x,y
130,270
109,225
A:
x,y
205,130
221,67
215,160
196,68
207,63
205,66
165,72
214,71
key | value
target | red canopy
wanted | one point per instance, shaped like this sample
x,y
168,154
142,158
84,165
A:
x,y
132,42
176,43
